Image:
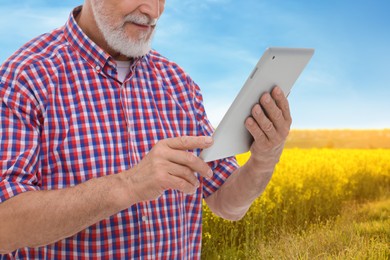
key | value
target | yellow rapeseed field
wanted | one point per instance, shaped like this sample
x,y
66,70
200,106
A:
x,y
309,186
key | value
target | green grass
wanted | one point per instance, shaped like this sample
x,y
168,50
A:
x,y
359,232
312,209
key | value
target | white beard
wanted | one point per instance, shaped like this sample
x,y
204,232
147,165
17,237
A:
x,y
115,34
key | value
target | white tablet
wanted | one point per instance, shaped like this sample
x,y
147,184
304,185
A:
x,y
277,67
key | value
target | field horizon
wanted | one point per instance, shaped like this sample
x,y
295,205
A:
x,y
339,138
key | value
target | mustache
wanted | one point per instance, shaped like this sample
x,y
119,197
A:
x,y
140,19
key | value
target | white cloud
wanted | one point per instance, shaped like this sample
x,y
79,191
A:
x,y
19,25
183,6
28,22
216,108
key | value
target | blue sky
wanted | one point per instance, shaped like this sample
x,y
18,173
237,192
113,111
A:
x,y
346,85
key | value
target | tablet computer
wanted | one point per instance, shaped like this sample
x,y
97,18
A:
x,y
277,67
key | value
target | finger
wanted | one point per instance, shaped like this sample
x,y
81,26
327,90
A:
x,y
177,183
189,142
282,102
255,130
263,121
190,161
184,173
272,111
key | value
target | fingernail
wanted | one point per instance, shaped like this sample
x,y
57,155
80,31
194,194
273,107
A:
x,y
208,140
267,99
278,91
210,173
257,110
250,121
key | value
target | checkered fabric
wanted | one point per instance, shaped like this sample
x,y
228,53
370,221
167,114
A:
x,y
66,118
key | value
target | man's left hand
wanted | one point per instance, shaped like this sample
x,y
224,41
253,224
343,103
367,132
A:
x,y
269,125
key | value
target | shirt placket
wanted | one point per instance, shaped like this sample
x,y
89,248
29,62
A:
x,y
142,208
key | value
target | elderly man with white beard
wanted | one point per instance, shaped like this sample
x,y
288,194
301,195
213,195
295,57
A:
x,y
100,137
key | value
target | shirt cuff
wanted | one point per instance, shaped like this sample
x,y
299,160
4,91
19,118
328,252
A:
x,y
222,169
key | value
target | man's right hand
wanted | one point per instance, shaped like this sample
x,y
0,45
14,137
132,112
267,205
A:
x,y
61,213
169,165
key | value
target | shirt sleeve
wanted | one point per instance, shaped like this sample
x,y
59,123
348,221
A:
x,y
19,141
223,168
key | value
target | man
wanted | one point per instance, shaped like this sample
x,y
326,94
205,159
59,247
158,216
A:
x,y
99,144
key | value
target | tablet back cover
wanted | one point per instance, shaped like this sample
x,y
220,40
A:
x,y
277,67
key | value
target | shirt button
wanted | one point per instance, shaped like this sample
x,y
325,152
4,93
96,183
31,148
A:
x,y
97,68
144,218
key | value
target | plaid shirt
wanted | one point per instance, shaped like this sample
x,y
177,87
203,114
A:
x,y
65,118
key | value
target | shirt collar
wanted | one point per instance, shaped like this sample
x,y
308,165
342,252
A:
x,y
89,50
80,42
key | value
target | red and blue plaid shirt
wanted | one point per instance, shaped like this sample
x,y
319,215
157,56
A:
x,y
66,118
